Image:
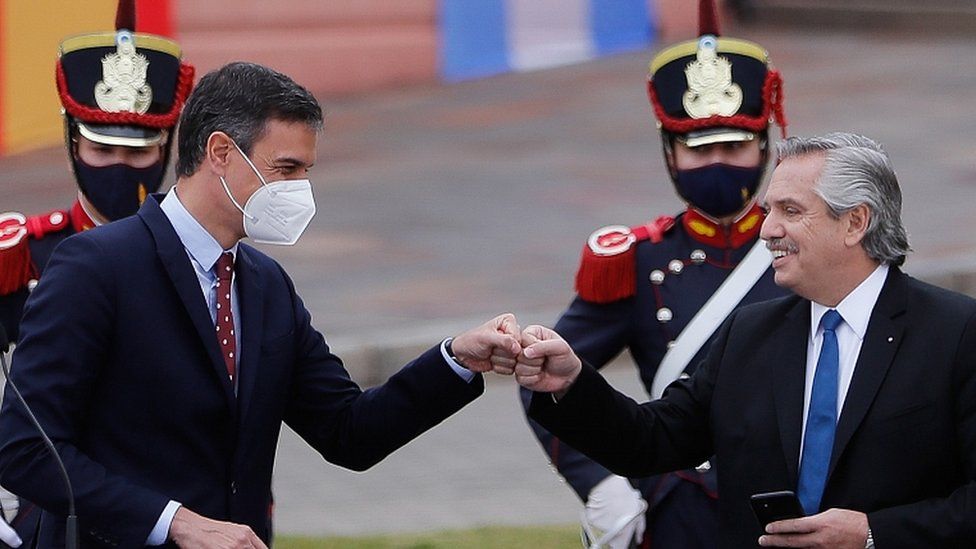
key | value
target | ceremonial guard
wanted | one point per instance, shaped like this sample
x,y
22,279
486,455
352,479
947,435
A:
x,y
638,288
121,95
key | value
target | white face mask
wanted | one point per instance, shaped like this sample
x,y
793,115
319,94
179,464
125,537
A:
x,y
277,213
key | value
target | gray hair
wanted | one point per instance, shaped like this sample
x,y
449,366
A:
x,y
857,170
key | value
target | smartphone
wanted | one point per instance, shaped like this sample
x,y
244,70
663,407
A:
x,y
773,506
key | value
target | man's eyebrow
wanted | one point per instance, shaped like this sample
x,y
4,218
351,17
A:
x,y
785,201
289,161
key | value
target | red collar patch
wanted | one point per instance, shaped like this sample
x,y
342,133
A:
x,y
79,218
706,231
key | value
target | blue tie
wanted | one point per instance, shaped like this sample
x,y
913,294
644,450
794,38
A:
x,y
818,442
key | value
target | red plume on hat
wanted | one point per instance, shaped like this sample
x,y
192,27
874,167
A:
x,y
707,18
125,16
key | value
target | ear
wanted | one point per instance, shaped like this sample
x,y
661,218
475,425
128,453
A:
x,y
218,152
858,220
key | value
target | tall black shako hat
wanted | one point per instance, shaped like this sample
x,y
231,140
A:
x,y
124,87
713,89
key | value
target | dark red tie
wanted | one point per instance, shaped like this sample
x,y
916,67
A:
x,y
225,315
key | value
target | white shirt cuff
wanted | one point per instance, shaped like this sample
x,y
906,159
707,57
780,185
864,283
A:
x,y
161,531
466,374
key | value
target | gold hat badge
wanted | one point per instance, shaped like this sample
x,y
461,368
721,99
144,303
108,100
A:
x,y
123,86
710,87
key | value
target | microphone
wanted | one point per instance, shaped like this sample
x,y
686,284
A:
x,y
71,523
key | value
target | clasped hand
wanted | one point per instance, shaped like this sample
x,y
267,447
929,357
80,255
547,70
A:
x,y
539,358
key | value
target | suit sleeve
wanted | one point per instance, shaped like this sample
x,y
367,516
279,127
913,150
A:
x,y
637,440
949,521
357,429
598,333
66,328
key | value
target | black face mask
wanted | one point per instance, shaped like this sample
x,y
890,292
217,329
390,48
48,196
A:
x,y
719,190
118,190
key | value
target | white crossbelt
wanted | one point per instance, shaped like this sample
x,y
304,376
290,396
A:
x,y
710,316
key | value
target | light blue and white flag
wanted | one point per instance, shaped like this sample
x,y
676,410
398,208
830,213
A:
x,y
485,37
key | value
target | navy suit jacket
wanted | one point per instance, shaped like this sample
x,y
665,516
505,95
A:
x,y
119,360
905,446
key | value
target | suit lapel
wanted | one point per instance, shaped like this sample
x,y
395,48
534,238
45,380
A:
x,y
250,295
789,356
173,256
881,341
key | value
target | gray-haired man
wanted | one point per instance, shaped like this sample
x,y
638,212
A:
x,y
858,393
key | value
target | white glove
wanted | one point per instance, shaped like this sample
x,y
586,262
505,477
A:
x,y
9,536
614,515
9,505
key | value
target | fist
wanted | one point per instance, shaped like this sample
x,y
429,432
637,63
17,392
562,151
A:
x,y
493,346
547,363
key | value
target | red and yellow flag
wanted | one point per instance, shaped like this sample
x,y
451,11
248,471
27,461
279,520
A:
x,y
30,31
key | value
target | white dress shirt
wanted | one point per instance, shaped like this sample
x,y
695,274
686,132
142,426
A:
x,y
856,310
203,250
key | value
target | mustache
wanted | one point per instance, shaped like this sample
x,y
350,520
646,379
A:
x,y
781,244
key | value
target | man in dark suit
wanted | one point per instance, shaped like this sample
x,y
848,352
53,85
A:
x,y
858,393
639,288
129,345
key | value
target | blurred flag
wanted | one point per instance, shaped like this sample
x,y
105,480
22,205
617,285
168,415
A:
x,y
484,37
